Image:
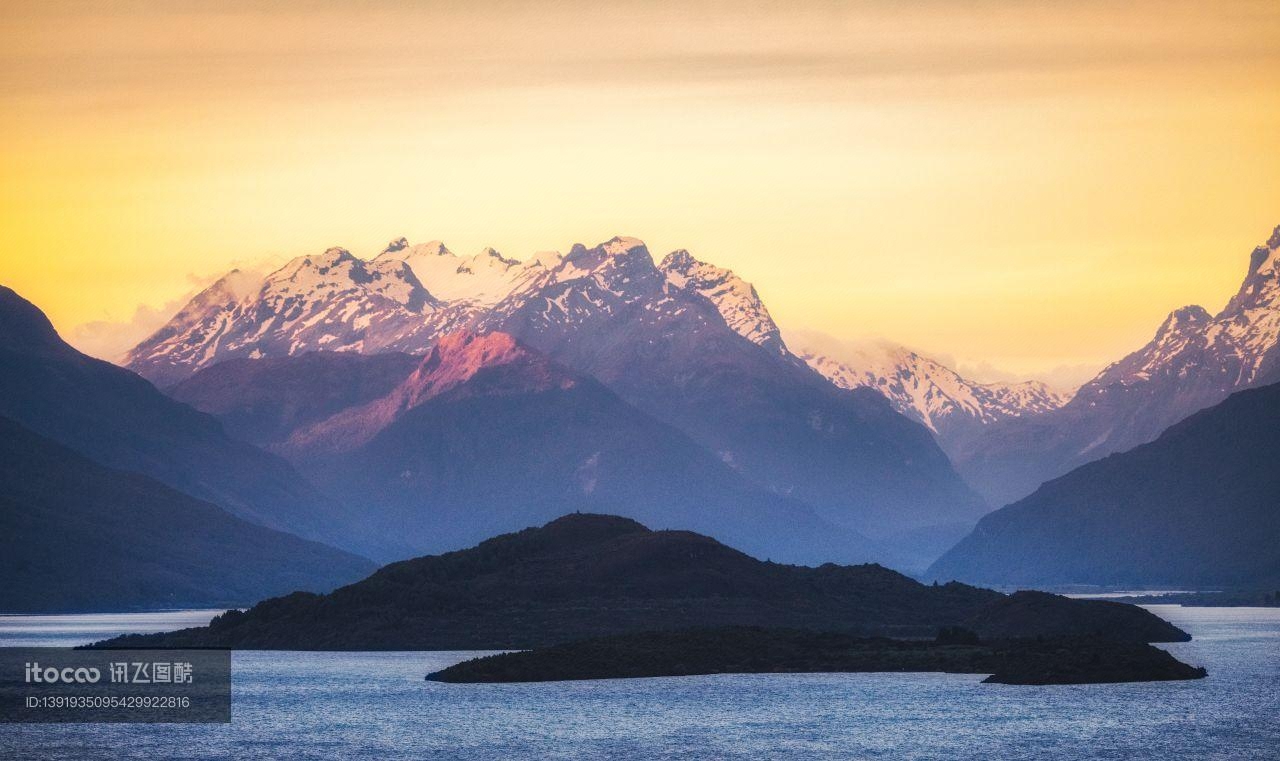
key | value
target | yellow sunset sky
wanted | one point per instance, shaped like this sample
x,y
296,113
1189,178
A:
x,y
1025,184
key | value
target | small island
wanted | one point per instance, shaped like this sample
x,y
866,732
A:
x,y
586,576
754,650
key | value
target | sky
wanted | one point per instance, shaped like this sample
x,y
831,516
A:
x,y
1017,186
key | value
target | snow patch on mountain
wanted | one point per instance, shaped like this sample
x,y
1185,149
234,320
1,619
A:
x,y
590,283
1234,349
1195,360
735,298
922,388
331,301
483,279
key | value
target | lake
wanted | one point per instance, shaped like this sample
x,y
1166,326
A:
x,y
377,705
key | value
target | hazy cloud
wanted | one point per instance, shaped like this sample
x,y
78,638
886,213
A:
x,y
110,340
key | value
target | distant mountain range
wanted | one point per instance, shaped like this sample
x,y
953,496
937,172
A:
x,y
688,346
332,301
1198,506
435,399
309,305
1194,360
691,345
926,390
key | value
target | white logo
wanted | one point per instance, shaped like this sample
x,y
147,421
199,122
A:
x,y
51,675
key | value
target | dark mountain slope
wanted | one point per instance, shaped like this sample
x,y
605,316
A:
x,y
668,351
264,401
1194,361
592,575
120,420
675,343
1198,506
77,536
486,437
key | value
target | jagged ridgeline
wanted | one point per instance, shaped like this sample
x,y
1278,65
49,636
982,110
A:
x,y
1194,361
677,402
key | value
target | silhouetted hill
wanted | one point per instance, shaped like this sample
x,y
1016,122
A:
x,y
1199,506
592,575
76,536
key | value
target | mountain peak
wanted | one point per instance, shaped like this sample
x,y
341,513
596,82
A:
x,y
679,260
320,262
920,387
489,252
480,280
617,260
1258,300
400,248
735,298
433,247
617,246
24,328
621,244
1263,254
474,349
1184,318
545,260
583,528
461,355
331,301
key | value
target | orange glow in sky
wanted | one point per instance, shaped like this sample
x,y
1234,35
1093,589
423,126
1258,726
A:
x,y
1028,184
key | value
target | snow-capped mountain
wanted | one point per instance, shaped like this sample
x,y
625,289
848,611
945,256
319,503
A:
x,y
333,301
735,298
688,344
404,299
1212,353
410,295
588,285
609,312
925,389
919,387
481,280
1194,361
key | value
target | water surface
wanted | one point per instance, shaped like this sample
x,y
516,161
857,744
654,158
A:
x,y
69,630
377,705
